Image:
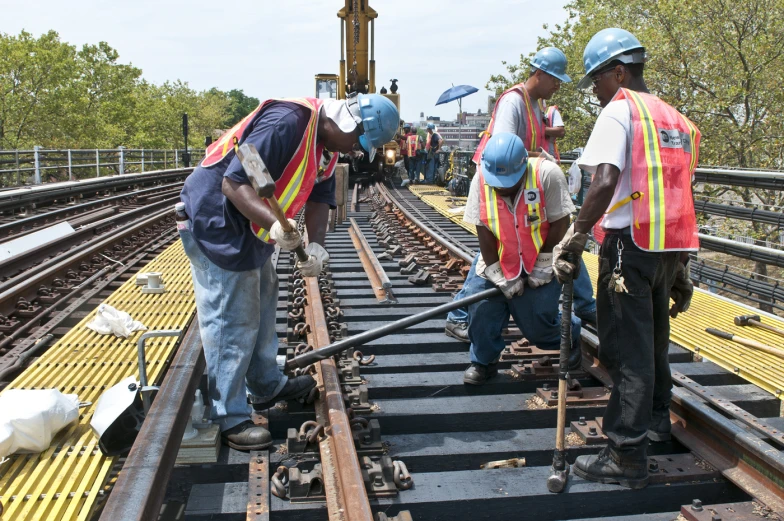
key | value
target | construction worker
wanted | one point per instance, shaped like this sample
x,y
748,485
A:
x,y
412,146
519,111
518,206
643,154
401,142
229,236
433,144
553,129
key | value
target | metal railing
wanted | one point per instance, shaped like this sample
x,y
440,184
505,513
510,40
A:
x,y
29,167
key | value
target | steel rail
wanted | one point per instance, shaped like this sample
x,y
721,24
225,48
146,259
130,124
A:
x,y
141,485
457,252
345,487
382,287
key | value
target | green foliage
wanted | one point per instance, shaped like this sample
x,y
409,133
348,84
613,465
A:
x,y
240,106
57,96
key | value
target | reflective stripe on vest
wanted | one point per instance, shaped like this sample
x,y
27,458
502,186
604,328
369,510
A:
x,y
534,133
664,154
411,143
552,146
516,251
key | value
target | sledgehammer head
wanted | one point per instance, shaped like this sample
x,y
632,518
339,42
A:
x,y
556,482
743,320
256,170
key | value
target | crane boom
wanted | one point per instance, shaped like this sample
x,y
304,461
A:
x,y
357,63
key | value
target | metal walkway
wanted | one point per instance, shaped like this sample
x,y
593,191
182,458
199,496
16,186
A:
x,y
688,330
68,480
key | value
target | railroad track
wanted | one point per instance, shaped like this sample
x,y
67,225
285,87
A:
x,y
426,446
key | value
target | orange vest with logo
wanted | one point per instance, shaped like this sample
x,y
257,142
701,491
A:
x,y
534,132
307,166
664,152
412,144
552,146
522,230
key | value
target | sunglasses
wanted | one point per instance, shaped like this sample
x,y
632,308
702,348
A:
x,y
598,76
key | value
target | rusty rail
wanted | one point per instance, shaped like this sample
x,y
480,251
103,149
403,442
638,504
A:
x,y
345,488
382,287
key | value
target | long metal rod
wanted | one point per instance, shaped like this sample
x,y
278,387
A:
x,y
141,486
306,359
346,495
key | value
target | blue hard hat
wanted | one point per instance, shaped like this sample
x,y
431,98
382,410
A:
x,y
552,61
431,126
608,45
380,119
504,160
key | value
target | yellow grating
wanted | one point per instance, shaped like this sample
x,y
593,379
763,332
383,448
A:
x,y
688,330
66,481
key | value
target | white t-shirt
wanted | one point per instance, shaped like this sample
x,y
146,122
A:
x,y
511,115
610,143
558,202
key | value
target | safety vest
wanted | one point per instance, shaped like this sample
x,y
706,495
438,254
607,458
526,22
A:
x,y
534,132
664,152
552,146
306,167
429,137
412,144
520,231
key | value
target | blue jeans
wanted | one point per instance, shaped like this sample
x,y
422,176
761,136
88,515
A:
x,y
535,312
236,312
584,303
430,170
413,171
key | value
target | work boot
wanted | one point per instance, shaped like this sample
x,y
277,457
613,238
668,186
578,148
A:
x,y
477,374
607,467
294,388
457,330
661,427
247,436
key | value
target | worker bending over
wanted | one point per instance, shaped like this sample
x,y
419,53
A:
x,y
519,111
230,236
521,209
642,153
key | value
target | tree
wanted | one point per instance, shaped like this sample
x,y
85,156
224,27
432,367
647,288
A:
x,y
240,106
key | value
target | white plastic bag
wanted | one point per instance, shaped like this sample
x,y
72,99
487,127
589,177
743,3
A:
x,y
575,177
109,320
29,419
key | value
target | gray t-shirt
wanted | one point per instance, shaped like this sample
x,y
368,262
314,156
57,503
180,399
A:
x,y
511,115
557,200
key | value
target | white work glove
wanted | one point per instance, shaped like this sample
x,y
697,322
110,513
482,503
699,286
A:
x,y
287,241
572,243
542,272
510,288
317,257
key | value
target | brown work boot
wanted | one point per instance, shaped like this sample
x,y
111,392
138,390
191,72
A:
x,y
607,467
247,436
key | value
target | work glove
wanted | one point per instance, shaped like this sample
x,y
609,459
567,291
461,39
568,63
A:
x,y
681,291
542,272
510,288
286,240
317,257
572,243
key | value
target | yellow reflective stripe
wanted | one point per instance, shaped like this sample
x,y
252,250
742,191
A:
x,y
693,136
656,202
529,109
491,204
531,184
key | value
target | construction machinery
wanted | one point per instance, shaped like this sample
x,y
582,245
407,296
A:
x,y
357,75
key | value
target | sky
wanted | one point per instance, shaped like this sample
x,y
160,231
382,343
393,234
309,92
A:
x,y
274,48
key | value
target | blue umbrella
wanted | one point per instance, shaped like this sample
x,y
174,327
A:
x,y
457,93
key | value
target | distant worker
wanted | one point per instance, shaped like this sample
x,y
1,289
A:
x,y
433,144
413,146
553,129
402,144
518,206
643,154
228,239
518,110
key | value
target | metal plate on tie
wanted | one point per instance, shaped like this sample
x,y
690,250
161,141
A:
x,y
747,511
584,396
677,468
590,431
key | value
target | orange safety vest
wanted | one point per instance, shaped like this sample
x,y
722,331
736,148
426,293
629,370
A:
x,y
303,171
534,134
664,152
520,231
412,144
429,137
552,146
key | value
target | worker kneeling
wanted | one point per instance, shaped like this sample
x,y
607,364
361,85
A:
x,y
521,208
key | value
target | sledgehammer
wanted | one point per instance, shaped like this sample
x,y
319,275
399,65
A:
x,y
756,321
325,352
261,181
750,342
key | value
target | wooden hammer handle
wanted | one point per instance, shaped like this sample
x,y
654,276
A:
x,y
767,327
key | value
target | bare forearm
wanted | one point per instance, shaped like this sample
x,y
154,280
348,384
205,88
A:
x,y
316,219
488,245
556,233
598,198
555,131
248,203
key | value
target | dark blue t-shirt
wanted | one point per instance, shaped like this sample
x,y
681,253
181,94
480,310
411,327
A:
x,y
220,230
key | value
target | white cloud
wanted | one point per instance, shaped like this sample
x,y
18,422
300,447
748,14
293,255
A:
x,y
274,48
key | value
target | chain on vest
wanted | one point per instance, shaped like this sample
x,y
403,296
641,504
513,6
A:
x,y
522,230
